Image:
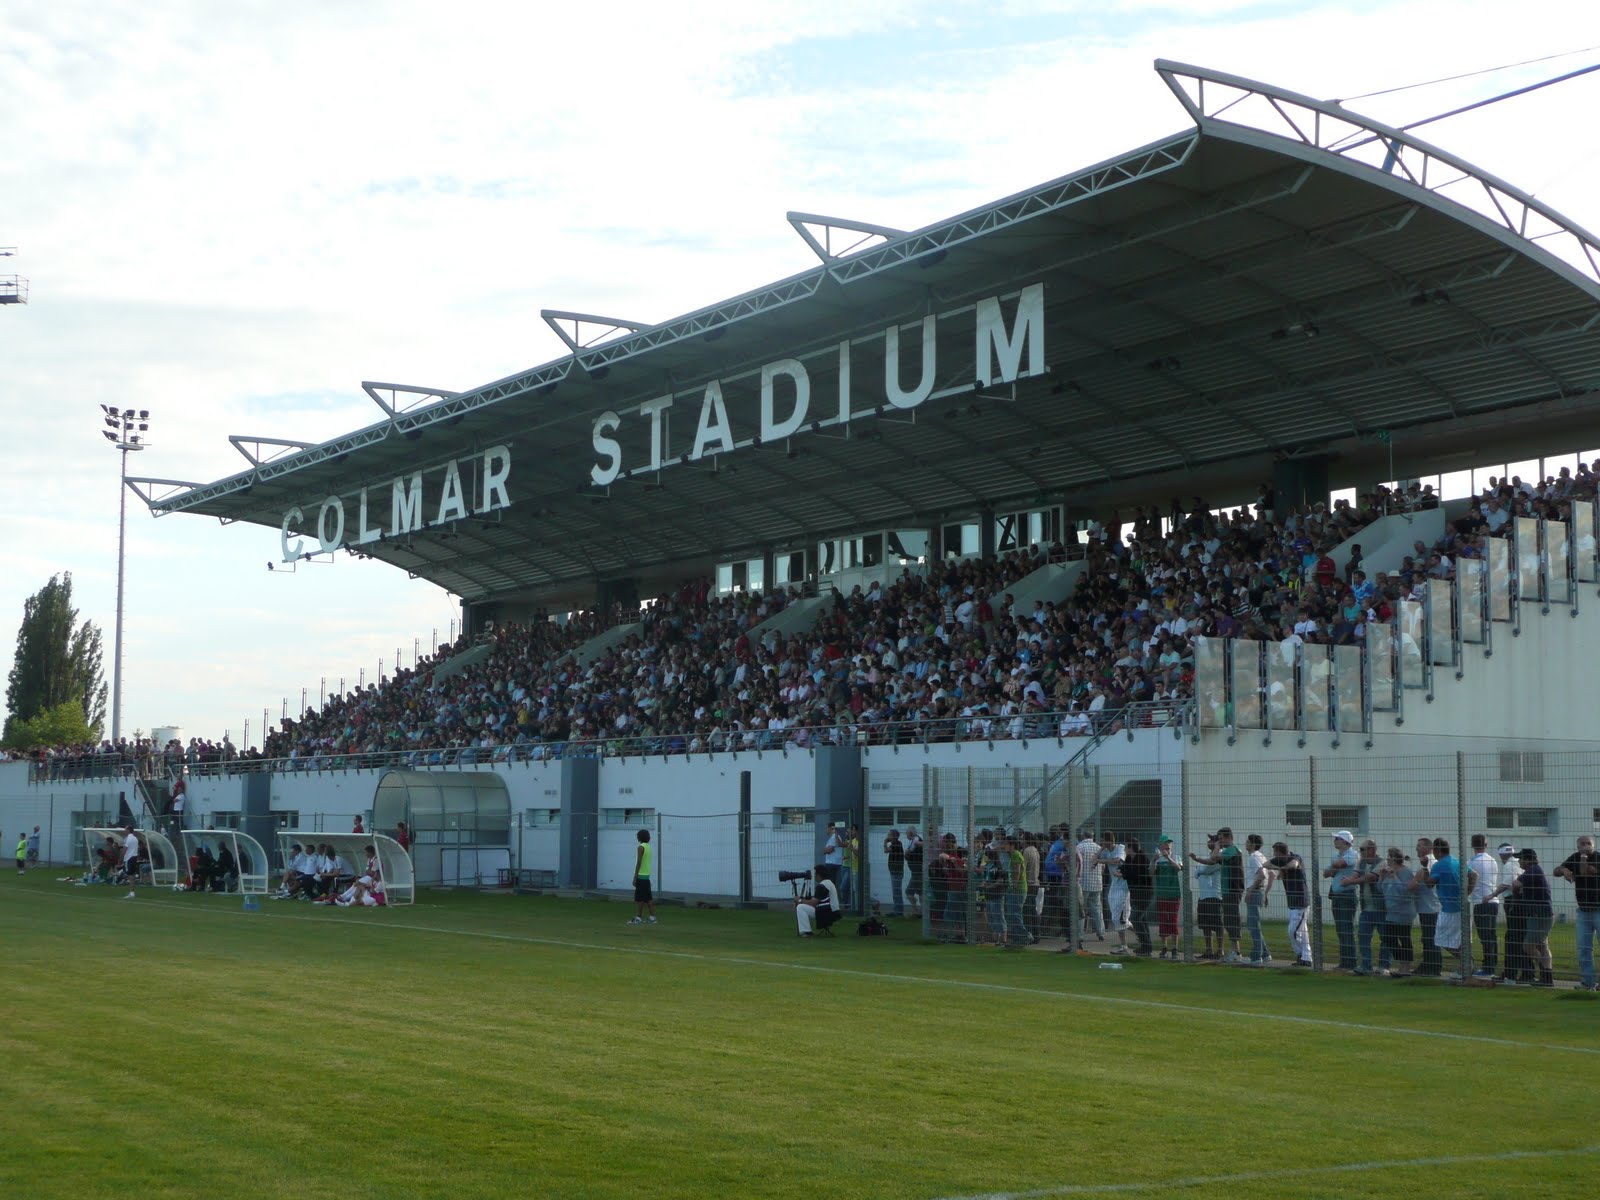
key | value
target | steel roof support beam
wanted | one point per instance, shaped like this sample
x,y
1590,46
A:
x,y
577,340
861,234
239,441
392,406
1329,127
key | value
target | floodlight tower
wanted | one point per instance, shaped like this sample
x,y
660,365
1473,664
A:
x,y
126,429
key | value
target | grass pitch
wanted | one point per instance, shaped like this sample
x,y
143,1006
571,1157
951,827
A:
x,y
489,1046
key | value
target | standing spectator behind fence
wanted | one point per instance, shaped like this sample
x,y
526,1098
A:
x,y
1167,887
1055,885
1208,889
1399,908
1483,876
1373,911
1291,870
1444,879
1514,959
914,867
1428,906
895,853
1582,870
1257,887
1343,871
1533,890
1087,864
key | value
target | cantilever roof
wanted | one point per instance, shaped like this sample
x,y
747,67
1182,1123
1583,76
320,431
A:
x,y
1283,278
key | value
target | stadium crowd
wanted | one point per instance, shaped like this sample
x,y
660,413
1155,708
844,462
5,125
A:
x,y
939,654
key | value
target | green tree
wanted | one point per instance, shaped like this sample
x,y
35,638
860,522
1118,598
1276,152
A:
x,y
62,725
59,661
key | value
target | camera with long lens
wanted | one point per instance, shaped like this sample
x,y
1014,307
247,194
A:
x,y
791,876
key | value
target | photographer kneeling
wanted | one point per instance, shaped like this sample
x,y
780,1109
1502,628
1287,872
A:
x,y
820,910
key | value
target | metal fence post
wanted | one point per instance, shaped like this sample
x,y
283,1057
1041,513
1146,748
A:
x,y
1074,909
1184,833
1463,856
930,847
1315,866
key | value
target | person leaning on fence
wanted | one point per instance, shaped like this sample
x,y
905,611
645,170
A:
x,y
1373,912
22,854
914,867
1229,861
1033,903
1342,896
1428,906
1208,890
818,911
1483,875
894,852
1399,909
1087,871
1581,868
1113,854
1291,871
33,846
1055,884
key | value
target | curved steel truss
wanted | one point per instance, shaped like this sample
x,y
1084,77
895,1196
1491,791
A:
x,y
1215,98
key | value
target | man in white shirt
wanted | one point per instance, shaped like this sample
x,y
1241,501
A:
x,y
1483,877
130,861
1089,885
1111,856
1513,962
1258,879
820,910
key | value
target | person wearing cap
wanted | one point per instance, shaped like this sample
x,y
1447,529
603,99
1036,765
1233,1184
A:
x,y
1342,896
1167,872
1512,964
1582,869
1532,889
1483,873
1374,913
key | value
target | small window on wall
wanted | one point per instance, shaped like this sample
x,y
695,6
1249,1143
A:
x,y
284,818
1298,816
909,545
226,819
1594,819
1521,766
1523,820
636,818
541,818
792,818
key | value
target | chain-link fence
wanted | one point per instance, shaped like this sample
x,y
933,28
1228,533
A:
x,y
1465,866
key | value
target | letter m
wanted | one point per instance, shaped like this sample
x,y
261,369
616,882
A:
x,y
405,505
995,341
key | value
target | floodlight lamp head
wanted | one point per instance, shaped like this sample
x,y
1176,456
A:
x,y
109,436
144,414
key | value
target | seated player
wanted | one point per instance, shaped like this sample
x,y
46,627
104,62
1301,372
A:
x,y
202,869
226,878
367,890
291,873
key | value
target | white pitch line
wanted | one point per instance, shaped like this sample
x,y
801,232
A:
x,y
1195,1181
932,980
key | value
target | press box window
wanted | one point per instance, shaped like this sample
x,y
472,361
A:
x,y
636,818
541,818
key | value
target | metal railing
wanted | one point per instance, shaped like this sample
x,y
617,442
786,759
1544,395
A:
x,y
1061,727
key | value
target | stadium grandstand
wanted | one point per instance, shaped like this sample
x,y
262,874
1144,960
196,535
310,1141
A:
x,y
1248,477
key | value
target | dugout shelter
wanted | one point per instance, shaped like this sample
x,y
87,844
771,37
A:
x,y
157,855
248,854
399,879
460,823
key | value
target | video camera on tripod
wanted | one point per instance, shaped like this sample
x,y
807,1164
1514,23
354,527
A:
x,y
795,879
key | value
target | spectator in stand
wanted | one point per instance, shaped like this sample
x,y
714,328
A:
x,y
1581,868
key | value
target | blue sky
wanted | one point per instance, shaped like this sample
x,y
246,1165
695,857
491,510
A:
x,y
233,214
